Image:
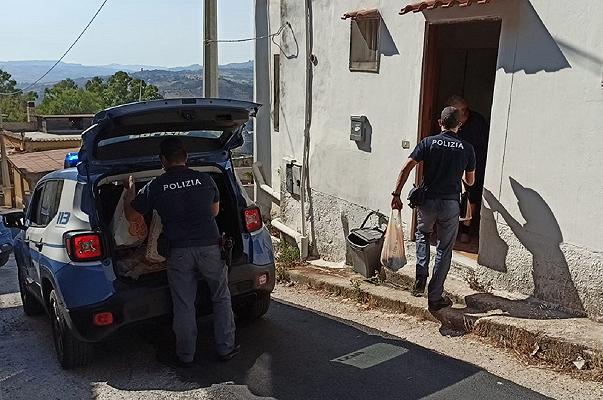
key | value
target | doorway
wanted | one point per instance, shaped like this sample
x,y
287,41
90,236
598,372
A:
x,y
460,59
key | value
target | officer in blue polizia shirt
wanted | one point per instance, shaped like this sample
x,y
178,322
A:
x,y
446,158
188,202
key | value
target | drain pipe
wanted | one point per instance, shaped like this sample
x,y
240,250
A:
x,y
308,115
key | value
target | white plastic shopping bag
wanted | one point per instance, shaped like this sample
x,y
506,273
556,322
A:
x,y
151,254
393,255
127,233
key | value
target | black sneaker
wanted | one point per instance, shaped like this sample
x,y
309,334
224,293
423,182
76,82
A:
x,y
229,356
171,360
419,287
439,304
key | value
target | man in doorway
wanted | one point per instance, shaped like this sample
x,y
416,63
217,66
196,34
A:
x,y
446,159
188,202
474,130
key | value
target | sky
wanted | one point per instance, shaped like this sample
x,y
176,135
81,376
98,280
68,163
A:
x,y
151,32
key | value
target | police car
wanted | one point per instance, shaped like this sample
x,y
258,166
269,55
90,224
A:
x,y
68,263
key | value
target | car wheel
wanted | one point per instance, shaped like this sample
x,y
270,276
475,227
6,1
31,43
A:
x,y
71,352
254,309
4,257
31,305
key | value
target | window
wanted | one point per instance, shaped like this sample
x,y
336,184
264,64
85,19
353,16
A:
x,y
276,79
45,203
364,44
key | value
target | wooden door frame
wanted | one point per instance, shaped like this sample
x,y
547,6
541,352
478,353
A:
x,y
429,84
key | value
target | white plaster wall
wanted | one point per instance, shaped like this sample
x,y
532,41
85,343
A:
x,y
390,100
545,132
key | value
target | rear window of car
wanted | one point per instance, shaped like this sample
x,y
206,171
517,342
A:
x,y
139,145
141,136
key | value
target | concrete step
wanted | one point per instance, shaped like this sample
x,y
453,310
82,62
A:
x,y
531,329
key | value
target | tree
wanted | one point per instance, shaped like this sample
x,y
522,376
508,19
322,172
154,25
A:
x,y
13,104
121,88
66,98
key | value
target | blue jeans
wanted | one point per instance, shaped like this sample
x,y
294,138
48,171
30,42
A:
x,y
445,215
184,265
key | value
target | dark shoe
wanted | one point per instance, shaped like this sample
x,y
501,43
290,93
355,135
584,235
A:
x,y
171,360
419,287
229,356
439,304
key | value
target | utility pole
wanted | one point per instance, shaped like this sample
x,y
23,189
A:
x,y
140,89
210,48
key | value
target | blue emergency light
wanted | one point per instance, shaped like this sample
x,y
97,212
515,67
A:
x,y
71,160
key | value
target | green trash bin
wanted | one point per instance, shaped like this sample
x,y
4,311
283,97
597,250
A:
x,y
364,247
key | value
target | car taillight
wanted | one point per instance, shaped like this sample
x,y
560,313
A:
x,y
84,246
103,319
253,219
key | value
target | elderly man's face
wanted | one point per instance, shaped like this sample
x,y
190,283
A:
x,y
463,112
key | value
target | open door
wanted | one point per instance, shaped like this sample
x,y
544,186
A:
x,y
460,59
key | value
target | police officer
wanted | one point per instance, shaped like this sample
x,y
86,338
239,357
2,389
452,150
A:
x,y
188,202
446,158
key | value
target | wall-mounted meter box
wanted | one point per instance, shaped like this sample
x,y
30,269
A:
x,y
358,128
293,178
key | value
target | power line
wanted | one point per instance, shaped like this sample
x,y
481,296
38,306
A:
x,y
272,35
63,56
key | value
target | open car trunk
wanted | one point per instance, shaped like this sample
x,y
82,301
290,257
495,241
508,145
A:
x,y
131,262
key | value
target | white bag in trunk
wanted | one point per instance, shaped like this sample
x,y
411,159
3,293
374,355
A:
x,y
127,233
152,255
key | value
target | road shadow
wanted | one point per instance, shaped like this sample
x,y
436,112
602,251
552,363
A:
x,y
291,355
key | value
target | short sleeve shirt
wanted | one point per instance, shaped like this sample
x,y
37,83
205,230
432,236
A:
x,y
183,199
445,158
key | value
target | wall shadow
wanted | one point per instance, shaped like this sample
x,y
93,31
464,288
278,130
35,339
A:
x,y
589,61
536,50
541,236
387,46
492,252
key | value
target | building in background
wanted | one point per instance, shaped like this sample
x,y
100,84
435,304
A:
x,y
350,87
35,148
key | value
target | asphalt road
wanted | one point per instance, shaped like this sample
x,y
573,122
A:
x,y
292,353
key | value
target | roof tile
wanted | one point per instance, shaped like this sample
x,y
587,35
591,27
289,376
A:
x,y
431,4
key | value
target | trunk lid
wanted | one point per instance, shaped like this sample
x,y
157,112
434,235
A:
x,y
129,135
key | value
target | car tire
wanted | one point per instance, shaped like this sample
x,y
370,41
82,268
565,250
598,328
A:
x,y
31,305
71,352
4,257
254,309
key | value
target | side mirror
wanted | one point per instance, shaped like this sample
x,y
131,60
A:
x,y
14,219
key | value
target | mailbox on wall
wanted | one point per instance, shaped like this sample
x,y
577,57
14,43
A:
x,y
358,128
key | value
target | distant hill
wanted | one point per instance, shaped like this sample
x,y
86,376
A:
x,y
235,82
26,72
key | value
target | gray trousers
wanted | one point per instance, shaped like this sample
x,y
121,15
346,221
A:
x,y
184,266
445,215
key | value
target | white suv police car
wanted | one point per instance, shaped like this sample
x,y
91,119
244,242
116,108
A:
x,y
68,263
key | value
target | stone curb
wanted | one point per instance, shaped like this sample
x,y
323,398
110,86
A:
x,y
531,344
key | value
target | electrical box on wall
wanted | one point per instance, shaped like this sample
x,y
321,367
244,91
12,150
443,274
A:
x,y
358,128
293,179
